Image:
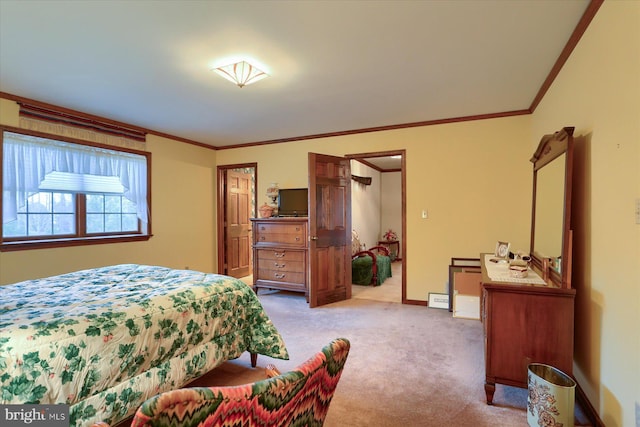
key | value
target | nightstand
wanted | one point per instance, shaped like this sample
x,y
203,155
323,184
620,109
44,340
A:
x,y
394,248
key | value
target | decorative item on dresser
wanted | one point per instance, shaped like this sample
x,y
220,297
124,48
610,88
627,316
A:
x,y
272,193
280,254
530,319
266,211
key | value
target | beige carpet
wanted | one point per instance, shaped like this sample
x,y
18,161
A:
x,y
408,365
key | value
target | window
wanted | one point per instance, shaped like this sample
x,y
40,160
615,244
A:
x,y
110,214
57,192
44,214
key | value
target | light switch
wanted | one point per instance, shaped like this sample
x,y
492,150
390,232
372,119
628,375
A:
x,y
425,215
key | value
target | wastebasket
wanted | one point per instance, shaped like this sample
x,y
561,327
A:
x,y
551,399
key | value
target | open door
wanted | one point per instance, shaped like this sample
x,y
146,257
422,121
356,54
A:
x,y
329,229
237,224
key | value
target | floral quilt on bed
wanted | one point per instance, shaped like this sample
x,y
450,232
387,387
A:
x,y
106,339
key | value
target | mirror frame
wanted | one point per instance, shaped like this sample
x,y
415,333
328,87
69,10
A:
x,y
551,147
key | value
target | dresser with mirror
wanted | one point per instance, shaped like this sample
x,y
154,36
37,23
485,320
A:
x,y
530,320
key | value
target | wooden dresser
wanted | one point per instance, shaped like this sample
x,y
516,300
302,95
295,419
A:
x,y
280,254
523,324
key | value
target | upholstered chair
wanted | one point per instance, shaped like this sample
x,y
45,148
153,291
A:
x,y
300,397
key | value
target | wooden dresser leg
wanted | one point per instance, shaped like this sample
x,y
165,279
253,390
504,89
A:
x,y
489,389
254,359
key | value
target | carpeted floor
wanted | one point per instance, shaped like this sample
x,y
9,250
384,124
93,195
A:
x,y
408,365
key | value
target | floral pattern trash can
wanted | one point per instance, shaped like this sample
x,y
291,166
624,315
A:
x,y
551,401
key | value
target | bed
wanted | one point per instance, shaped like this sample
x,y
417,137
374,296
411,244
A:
x,y
104,340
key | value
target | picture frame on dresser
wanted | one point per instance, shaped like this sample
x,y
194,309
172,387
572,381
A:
x,y
502,250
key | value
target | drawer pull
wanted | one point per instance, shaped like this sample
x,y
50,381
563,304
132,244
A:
x,y
297,239
262,238
279,265
279,276
279,254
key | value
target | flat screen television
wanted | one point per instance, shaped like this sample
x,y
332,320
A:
x,y
293,202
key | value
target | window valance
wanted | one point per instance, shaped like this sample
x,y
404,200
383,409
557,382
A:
x,y
42,118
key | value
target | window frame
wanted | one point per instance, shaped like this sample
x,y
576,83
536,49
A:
x,y
8,244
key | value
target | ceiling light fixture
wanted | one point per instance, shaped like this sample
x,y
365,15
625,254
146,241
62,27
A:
x,y
241,73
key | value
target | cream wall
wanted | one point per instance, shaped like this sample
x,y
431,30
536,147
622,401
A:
x,y
365,204
474,178
183,218
598,92
391,206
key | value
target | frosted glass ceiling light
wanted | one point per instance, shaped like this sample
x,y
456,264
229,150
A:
x,y
241,73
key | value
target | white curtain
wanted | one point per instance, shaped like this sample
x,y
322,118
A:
x,y
28,159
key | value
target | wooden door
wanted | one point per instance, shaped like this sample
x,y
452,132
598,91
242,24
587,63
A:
x,y
329,229
237,224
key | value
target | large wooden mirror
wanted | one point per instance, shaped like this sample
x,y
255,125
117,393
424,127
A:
x,y
551,238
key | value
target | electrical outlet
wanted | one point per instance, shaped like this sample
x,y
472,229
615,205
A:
x,y
637,211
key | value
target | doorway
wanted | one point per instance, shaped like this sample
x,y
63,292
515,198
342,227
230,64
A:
x,y
236,200
390,167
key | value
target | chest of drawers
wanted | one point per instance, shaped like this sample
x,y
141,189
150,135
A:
x,y
523,324
280,254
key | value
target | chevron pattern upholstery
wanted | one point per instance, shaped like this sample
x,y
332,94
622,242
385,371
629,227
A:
x,y
300,397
